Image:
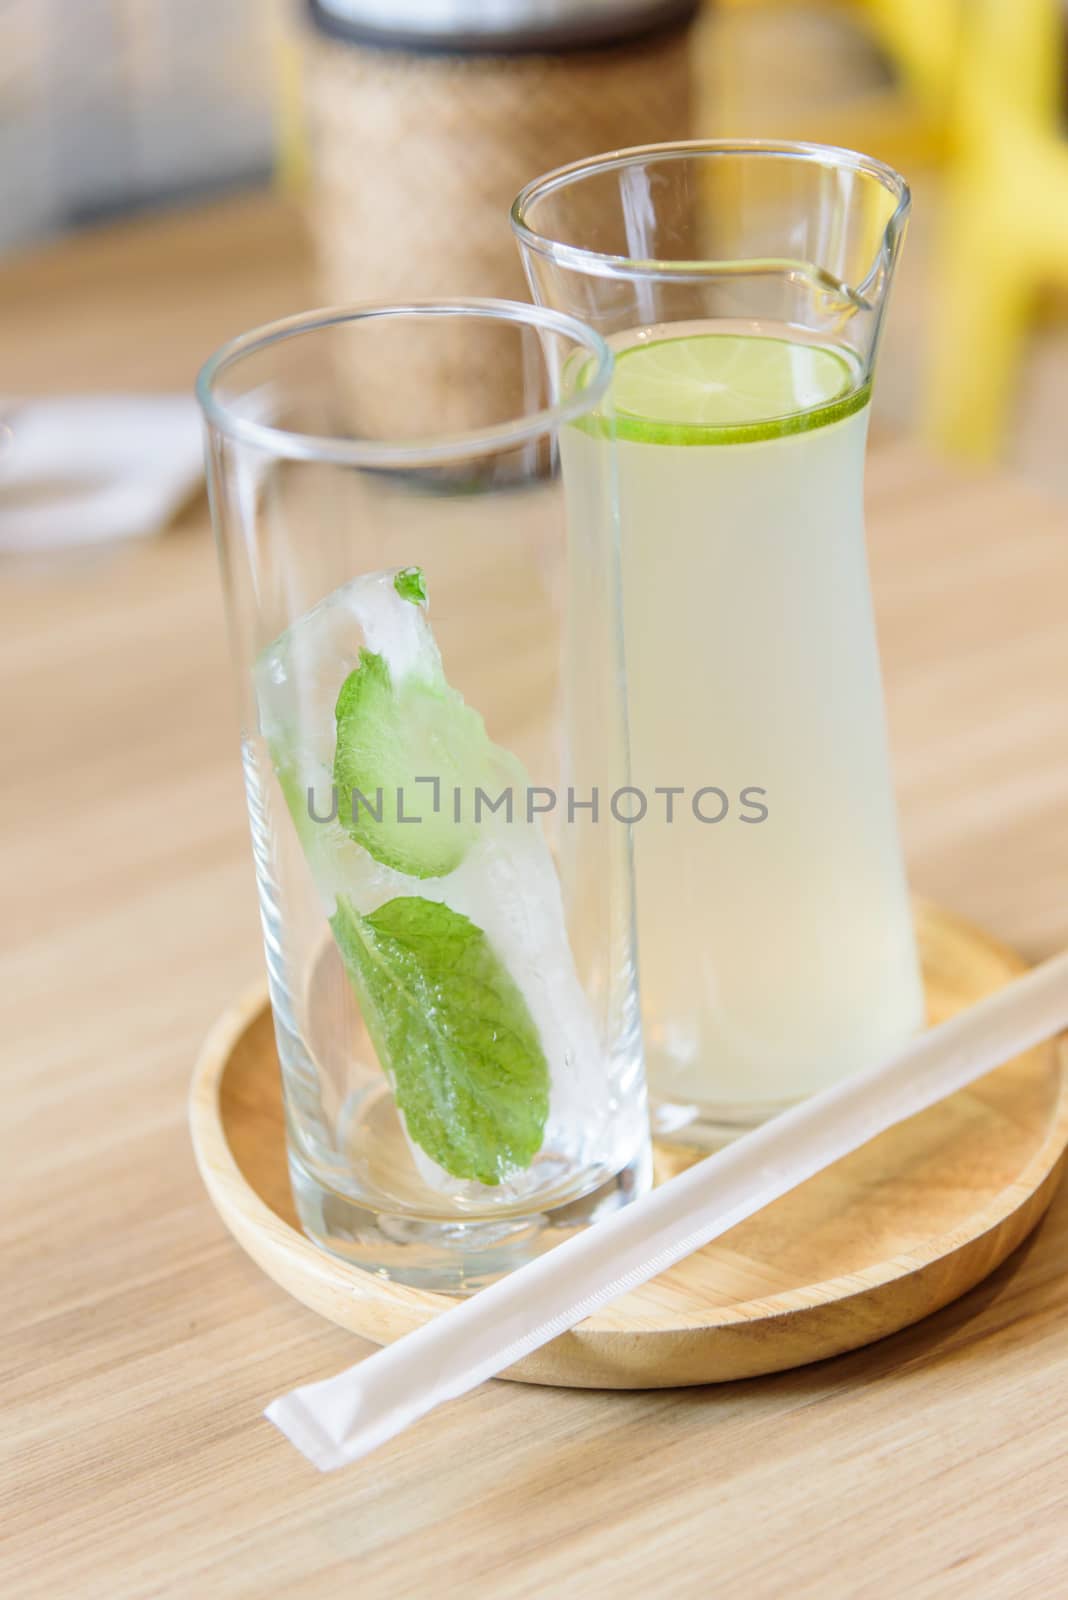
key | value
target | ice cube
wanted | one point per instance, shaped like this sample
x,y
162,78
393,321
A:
x,y
507,882
297,678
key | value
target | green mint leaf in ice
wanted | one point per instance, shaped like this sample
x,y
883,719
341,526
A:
x,y
411,585
391,736
453,1032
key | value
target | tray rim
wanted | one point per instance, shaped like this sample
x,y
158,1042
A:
x,y
264,1235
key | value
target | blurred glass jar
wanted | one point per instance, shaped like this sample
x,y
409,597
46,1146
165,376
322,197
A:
x,y
425,116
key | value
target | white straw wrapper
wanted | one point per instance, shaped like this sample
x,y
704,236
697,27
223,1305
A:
x,y
342,1418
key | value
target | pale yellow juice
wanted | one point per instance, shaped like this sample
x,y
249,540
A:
x,y
775,935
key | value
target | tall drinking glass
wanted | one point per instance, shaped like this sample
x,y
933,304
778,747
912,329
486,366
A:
x,y
742,288
428,648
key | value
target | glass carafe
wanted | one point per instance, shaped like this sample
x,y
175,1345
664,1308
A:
x,y
742,287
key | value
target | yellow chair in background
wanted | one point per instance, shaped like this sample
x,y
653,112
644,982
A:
x,y
290,144
905,123
1005,229
921,38
979,92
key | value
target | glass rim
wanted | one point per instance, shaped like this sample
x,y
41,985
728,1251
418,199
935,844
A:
x,y
603,264
432,450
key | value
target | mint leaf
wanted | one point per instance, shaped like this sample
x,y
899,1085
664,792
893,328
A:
x,y
388,738
452,1031
411,585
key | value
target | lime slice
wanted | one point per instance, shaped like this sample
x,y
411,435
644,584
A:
x,y
730,388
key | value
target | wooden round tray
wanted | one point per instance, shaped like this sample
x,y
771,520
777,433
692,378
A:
x,y
879,1240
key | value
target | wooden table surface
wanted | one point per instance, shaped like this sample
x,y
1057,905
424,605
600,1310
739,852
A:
x,y
140,1345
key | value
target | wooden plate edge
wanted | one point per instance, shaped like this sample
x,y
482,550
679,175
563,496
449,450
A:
x,y
618,1358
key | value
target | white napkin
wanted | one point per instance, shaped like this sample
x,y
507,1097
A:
x,y
86,468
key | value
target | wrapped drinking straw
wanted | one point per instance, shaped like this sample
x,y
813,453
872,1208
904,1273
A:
x,y
342,1418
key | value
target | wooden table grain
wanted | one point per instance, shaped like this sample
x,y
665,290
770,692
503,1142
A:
x,y
139,1343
